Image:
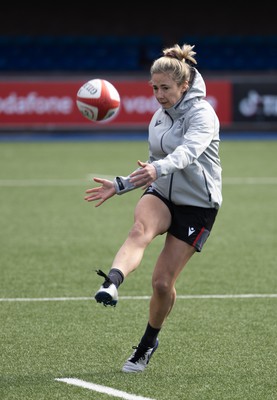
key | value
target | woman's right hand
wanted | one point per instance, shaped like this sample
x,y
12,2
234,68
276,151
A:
x,y
102,193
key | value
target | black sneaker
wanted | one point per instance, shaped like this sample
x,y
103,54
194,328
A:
x,y
107,294
140,358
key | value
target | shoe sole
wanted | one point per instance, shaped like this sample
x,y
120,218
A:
x,y
105,298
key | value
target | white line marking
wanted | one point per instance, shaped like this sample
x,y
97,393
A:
x,y
42,182
89,179
183,297
101,389
272,180
51,182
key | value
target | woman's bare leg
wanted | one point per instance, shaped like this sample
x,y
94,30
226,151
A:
x,y
152,217
170,263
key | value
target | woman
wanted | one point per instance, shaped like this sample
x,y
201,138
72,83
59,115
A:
x,y
182,182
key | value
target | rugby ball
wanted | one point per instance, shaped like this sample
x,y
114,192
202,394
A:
x,y
98,100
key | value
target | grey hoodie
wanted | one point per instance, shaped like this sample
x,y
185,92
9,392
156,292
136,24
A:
x,y
184,148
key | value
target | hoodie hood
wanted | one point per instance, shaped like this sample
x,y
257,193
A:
x,y
197,87
197,90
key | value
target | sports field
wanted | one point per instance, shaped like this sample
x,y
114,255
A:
x,y
219,342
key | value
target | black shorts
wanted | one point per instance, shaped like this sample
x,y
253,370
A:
x,y
189,223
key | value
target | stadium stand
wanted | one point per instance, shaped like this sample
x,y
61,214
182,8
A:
x,y
82,53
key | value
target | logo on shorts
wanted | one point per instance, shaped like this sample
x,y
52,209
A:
x,y
150,189
191,230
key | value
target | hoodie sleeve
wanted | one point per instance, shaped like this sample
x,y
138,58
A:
x,y
177,160
196,139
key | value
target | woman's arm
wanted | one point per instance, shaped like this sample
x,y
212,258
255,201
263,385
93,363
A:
x,y
141,177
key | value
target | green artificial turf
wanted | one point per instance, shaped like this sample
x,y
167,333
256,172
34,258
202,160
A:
x,y
219,342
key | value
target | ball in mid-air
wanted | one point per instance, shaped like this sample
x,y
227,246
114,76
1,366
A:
x,y
98,100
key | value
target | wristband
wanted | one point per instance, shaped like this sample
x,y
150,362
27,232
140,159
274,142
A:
x,y
122,184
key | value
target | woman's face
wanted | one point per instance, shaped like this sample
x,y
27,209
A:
x,y
166,90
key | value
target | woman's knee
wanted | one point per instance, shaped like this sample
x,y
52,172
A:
x,y
161,286
140,232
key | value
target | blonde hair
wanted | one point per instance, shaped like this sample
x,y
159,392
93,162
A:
x,y
176,61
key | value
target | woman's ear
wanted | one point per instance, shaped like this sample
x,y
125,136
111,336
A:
x,y
185,86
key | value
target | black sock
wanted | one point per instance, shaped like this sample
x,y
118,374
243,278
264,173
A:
x,y
116,276
150,336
